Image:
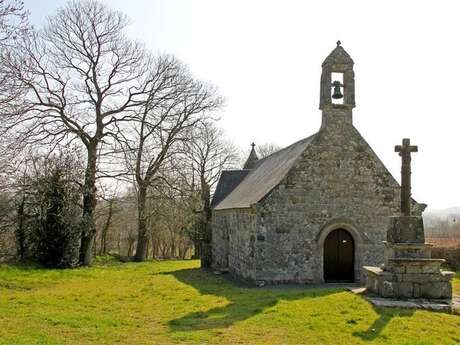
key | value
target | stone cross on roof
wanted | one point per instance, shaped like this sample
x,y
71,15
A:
x,y
405,151
252,159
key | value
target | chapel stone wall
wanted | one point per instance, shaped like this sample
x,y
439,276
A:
x,y
337,183
234,242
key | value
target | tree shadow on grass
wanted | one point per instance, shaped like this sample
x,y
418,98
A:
x,y
385,315
242,301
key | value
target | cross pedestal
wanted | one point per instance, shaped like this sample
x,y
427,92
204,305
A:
x,y
408,270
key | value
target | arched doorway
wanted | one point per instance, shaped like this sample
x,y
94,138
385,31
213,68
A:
x,y
339,254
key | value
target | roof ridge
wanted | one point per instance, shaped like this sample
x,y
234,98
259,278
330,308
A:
x,y
285,148
266,175
236,170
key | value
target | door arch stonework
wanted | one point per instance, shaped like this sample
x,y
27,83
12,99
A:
x,y
359,239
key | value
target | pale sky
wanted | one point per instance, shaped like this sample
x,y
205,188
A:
x,y
265,57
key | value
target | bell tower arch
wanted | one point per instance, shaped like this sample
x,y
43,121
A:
x,y
337,90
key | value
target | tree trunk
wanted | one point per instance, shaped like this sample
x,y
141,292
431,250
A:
x,y
163,249
142,236
154,245
173,249
130,248
119,242
206,251
20,231
105,229
197,249
95,245
89,205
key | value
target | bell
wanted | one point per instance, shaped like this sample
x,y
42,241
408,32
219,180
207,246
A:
x,y
337,93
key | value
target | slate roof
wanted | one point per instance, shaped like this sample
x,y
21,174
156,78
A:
x,y
266,175
228,181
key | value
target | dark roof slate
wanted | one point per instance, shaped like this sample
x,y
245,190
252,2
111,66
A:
x,y
266,174
228,181
252,159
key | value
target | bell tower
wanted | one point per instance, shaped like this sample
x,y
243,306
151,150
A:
x,y
337,92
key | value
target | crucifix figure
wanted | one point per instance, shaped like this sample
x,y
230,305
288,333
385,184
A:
x,y
405,151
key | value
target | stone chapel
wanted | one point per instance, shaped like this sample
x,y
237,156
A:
x,y
315,211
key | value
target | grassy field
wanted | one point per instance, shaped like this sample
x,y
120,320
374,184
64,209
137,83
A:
x,y
173,302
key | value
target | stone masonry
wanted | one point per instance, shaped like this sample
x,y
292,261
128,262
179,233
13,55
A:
x,y
408,271
271,226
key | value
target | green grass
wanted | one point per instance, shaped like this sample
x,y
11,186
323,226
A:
x,y
173,302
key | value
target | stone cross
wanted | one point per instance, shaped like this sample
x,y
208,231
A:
x,y
405,152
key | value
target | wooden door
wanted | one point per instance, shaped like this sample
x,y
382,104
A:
x,y
339,253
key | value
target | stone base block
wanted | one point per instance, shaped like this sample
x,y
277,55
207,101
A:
x,y
412,265
409,285
445,305
406,229
407,250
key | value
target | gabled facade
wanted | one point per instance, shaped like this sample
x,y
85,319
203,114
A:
x,y
314,211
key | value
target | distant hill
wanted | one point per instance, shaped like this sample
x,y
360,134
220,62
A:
x,y
444,223
451,211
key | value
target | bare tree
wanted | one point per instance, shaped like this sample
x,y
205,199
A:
x,y
266,149
262,151
105,217
80,77
13,21
208,154
13,27
170,217
122,236
176,102
8,222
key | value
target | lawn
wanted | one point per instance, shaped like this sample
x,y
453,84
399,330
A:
x,y
173,302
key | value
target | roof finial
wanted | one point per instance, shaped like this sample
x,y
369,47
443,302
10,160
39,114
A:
x,y
252,159
338,43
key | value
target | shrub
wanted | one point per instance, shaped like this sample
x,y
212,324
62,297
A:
x,y
48,225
